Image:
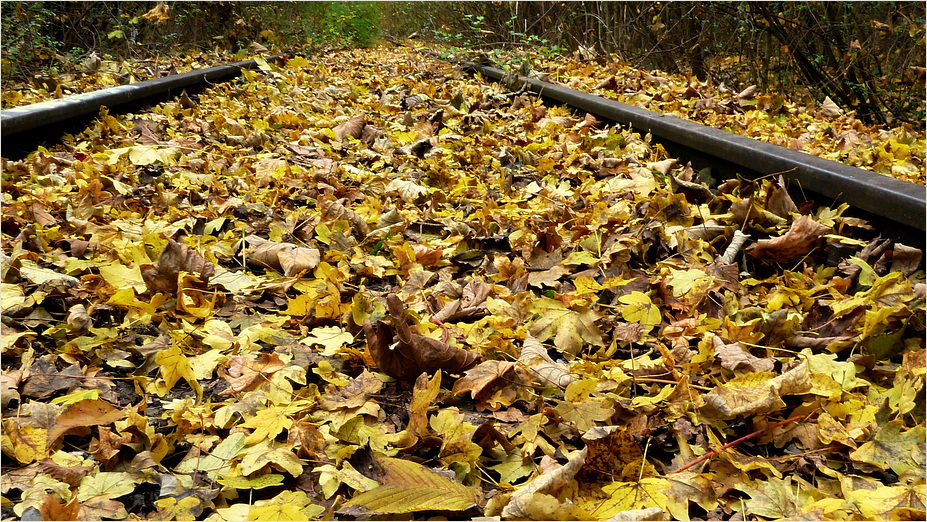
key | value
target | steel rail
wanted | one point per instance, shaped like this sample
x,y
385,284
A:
x,y
897,200
38,116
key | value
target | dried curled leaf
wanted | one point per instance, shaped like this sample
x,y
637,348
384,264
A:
x,y
176,257
411,353
523,502
734,357
548,373
798,241
472,301
493,383
287,257
353,128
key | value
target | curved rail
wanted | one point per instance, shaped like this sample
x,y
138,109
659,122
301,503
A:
x,y
897,200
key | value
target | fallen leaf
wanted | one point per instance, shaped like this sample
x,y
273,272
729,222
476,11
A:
x,y
520,503
175,258
535,359
408,487
796,242
290,259
84,414
412,353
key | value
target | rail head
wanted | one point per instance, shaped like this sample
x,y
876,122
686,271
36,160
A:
x,y
18,120
897,200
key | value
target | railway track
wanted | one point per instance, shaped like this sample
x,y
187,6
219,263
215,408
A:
x,y
883,199
897,207
23,128
278,253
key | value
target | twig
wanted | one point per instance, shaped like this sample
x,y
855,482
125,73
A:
x,y
736,244
712,453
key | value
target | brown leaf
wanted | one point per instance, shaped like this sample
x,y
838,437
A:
x,y
353,128
798,241
176,257
483,379
472,301
244,371
41,216
51,509
534,357
334,210
286,257
78,319
90,412
352,395
613,455
734,357
44,378
68,474
91,64
412,353
108,445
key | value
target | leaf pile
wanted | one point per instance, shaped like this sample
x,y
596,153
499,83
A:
x,y
821,129
358,286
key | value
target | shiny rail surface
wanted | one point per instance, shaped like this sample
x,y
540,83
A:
x,y
896,200
37,122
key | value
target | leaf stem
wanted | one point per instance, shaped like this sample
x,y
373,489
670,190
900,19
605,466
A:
x,y
712,453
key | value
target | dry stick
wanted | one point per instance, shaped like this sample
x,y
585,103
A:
x,y
712,453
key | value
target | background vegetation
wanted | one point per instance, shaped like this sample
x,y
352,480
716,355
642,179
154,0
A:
x,y
868,56
865,55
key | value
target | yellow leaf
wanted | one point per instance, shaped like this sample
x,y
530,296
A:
x,y
639,309
191,298
24,443
109,484
268,453
331,338
267,424
411,487
288,505
258,482
625,496
174,366
571,329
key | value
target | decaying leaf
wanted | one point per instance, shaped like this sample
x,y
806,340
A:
x,y
522,503
286,257
757,393
176,257
798,241
535,359
334,191
84,414
410,353
735,357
